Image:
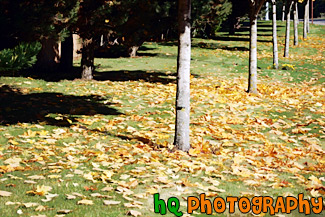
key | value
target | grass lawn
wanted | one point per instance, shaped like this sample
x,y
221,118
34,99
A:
x,y
71,147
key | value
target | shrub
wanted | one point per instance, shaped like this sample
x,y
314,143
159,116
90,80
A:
x,y
20,57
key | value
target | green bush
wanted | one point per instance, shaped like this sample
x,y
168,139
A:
x,y
20,57
208,15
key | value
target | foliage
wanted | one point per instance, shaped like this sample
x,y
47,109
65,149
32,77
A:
x,y
132,22
25,20
208,16
20,57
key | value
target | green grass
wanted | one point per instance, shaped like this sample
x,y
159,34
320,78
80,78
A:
x,y
75,133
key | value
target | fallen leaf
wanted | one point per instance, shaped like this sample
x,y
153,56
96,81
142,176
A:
x,y
85,202
111,202
64,211
133,213
5,193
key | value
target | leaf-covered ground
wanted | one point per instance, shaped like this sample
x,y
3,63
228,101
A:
x,y
102,148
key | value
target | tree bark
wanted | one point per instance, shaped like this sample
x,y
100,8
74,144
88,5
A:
x,y
275,37
297,14
66,60
306,17
283,11
267,17
87,59
287,36
132,51
295,23
48,57
252,80
182,124
308,20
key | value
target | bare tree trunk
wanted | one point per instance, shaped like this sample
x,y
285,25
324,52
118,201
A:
x,y
287,37
275,37
267,17
49,56
297,15
252,80
132,51
295,23
283,11
66,61
306,17
182,125
308,20
87,59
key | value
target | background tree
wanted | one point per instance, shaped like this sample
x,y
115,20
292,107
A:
x,y
182,125
254,9
306,18
142,20
274,36
43,21
287,36
239,10
90,23
295,22
283,10
208,16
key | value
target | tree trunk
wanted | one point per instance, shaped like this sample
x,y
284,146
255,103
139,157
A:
x,y
275,38
132,51
252,80
87,59
234,25
306,17
297,15
287,37
283,11
267,11
182,124
48,57
66,61
295,23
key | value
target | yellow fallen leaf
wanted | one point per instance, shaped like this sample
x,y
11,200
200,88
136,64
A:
x,y
5,193
111,202
133,213
13,161
27,205
40,208
85,202
64,211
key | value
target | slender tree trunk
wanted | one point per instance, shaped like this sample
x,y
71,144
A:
x,y
182,128
252,80
267,17
308,20
295,23
287,37
275,37
87,59
283,11
66,61
297,14
306,17
49,56
132,51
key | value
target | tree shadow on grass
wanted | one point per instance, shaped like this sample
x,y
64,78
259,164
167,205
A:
x,y
136,75
214,46
234,38
18,107
247,34
120,51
